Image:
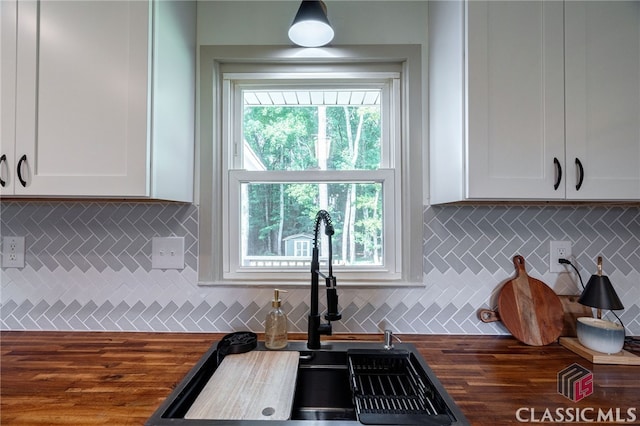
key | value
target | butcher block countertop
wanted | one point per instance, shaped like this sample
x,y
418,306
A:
x,y
105,378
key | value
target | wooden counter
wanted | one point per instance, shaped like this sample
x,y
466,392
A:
x,y
79,378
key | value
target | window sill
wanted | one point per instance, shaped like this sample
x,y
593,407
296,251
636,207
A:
x,y
305,285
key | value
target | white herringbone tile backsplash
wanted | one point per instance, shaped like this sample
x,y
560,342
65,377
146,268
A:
x,y
88,267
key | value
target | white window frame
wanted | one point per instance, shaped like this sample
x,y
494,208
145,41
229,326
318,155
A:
x,y
220,182
233,84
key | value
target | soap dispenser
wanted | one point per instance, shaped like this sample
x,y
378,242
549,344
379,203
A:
x,y
275,333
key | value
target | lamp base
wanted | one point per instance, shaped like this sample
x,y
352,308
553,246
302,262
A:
x,y
621,358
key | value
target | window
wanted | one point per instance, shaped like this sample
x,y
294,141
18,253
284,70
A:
x,y
302,248
296,137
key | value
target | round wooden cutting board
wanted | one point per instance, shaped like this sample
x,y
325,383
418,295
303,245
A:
x,y
530,310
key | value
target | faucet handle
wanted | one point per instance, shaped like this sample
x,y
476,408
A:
x,y
332,304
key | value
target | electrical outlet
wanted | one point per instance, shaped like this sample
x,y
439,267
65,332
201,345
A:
x,y
13,252
167,253
559,250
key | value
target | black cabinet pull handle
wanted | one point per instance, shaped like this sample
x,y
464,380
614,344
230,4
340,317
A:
x,y
3,159
559,173
580,175
19,169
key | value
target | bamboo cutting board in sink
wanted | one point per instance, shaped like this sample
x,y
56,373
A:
x,y
257,385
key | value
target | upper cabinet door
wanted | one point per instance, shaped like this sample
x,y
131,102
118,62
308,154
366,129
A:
x,y
603,99
515,101
82,89
8,16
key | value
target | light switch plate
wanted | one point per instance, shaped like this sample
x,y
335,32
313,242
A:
x,y
167,253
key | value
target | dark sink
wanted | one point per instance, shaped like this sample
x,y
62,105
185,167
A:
x,y
332,386
323,391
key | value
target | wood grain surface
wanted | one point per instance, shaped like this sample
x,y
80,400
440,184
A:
x,y
622,358
530,309
572,311
257,385
105,378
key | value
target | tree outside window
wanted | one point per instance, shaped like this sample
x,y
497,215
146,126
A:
x,y
324,130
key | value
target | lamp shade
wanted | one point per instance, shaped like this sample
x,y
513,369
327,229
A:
x,y
599,292
310,27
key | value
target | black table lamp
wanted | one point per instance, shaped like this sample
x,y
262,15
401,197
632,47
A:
x,y
599,293
600,341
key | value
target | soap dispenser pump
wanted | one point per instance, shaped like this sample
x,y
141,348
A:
x,y
275,333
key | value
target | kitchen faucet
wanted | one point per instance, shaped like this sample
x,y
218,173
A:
x,y
316,328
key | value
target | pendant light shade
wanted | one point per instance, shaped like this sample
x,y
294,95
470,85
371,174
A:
x,y
599,292
310,27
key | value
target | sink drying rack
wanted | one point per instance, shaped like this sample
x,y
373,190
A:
x,y
388,389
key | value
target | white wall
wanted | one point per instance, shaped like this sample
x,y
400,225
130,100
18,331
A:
x,y
354,22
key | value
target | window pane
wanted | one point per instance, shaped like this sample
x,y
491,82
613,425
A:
x,y
278,219
303,130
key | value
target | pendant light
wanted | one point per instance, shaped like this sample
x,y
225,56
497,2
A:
x,y
310,27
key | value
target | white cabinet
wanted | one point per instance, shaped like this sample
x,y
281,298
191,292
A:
x,y
499,110
602,89
8,20
104,100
